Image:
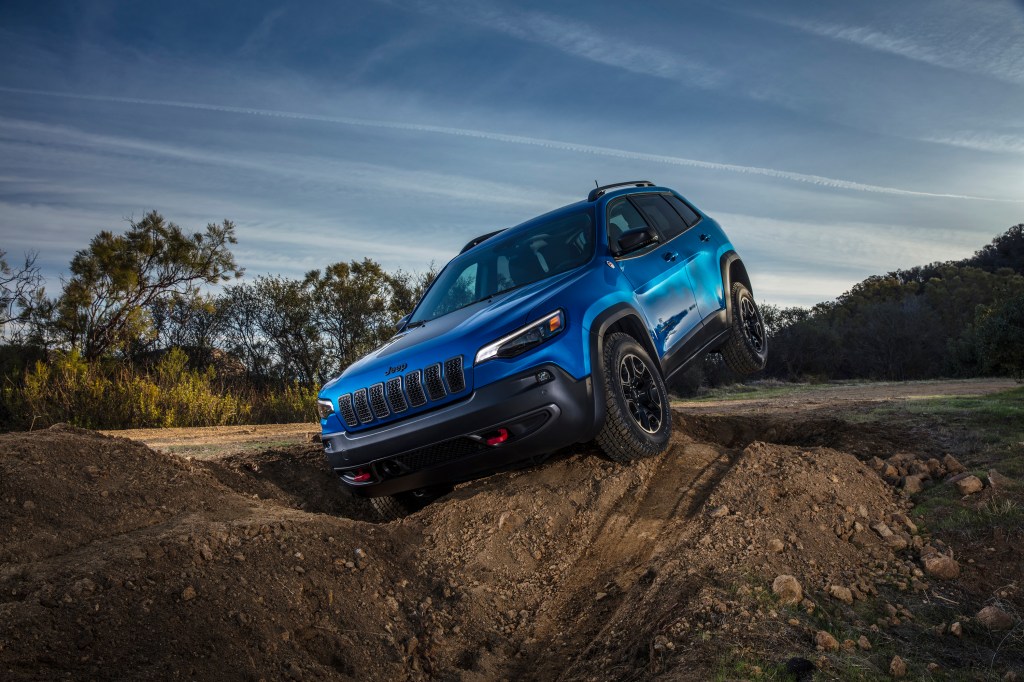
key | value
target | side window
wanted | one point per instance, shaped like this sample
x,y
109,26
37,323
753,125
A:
x,y
661,214
683,209
622,216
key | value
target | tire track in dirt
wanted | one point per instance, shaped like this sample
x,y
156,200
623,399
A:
x,y
619,554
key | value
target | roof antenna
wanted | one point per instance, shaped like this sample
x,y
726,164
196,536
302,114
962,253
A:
x,y
595,183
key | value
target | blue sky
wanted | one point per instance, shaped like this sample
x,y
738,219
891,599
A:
x,y
832,140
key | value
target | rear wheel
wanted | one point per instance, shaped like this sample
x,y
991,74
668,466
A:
x,y
746,350
638,422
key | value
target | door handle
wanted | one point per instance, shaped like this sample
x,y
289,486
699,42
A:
x,y
705,238
669,256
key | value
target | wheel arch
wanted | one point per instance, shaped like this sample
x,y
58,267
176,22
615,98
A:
x,y
733,271
621,317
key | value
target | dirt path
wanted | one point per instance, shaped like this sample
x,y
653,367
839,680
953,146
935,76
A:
x,y
211,442
839,396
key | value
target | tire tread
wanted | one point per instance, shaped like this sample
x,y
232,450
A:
x,y
616,438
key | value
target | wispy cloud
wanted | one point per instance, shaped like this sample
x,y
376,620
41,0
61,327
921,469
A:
x,y
261,34
321,171
957,47
581,40
815,180
982,141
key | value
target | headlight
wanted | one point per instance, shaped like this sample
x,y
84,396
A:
x,y
522,340
325,408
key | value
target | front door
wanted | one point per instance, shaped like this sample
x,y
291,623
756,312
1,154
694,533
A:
x,y
658,276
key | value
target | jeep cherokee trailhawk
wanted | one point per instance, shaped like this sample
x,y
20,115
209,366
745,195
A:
x,y
561,330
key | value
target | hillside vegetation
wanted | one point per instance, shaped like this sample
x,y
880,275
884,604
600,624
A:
x,y
152,329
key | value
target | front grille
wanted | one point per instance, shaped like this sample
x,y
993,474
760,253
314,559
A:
x,y
436,455
396,399
345,407
377,402
414,387
421,386
362,406
453,374
435,387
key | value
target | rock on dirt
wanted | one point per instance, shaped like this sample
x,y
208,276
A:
x,y
788,589
825,641
719,512
897,668
998,481
940,566
968,485
994,618
841,593
912,484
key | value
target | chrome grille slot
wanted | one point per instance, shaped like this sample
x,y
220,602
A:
x,y
362,406
377,402
435,387
414,387
347,413
453,374
396,399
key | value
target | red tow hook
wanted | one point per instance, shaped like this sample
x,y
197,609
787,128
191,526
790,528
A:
x,y
497,437
361,476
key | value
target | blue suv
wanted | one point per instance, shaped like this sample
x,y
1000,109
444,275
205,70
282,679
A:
x,y
561,330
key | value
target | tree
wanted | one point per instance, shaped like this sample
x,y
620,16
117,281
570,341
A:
x,y
358,304
999,334
103,307
1005,251
19,288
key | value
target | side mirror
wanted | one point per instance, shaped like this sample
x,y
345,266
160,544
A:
x,y
636,239
400,325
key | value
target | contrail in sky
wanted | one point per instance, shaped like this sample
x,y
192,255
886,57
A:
x,y
818,180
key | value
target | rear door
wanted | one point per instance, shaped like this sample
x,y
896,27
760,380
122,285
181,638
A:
x,y
701,238
657,274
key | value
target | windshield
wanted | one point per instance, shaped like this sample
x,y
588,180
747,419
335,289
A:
x,y
543,250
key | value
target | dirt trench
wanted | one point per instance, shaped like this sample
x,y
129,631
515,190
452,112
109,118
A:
x,y
120,562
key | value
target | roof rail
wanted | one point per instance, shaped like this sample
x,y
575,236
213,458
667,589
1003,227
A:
x,y
479,240
598,191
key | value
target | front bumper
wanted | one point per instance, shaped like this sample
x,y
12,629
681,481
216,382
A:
x,y
449,445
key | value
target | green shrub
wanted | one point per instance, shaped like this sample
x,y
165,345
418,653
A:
x,y
109,395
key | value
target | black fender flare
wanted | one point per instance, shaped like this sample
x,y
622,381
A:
x,y
625,315
729,258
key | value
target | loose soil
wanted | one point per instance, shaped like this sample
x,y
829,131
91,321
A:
x,y
243,561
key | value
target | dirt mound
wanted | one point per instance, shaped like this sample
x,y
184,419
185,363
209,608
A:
x,y
122,563
64,488
580,568
127,563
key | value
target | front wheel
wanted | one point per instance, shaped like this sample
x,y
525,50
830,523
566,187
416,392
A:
x,y
394,507
638,422
746,350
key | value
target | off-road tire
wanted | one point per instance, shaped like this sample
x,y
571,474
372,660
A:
x,y
394,507
623,438
741,351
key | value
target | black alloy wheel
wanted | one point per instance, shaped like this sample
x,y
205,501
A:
x,y
641,393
